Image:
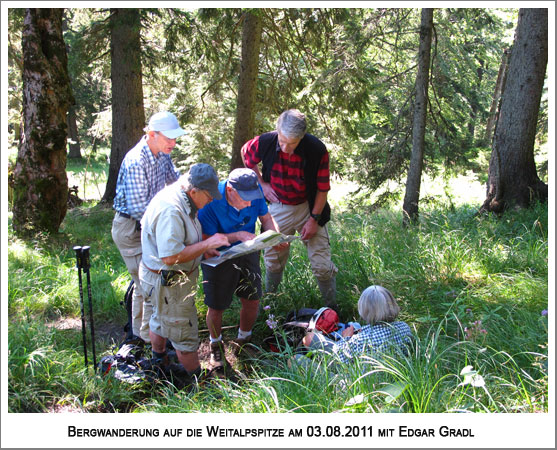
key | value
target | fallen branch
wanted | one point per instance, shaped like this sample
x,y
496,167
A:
x,y
206,330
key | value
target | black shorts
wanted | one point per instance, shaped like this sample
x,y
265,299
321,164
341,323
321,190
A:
x,y
240,276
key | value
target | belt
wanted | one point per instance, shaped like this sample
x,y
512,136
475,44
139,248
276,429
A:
x,y
127,216
171,273
292,204
154,271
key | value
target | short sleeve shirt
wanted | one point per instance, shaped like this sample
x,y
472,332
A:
x,y
219,217
141,176
168,226
373,338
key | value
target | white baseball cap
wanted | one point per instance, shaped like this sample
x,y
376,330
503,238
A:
x,y
167,124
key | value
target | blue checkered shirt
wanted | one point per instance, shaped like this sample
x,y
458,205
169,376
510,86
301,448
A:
x,y
373,339
141,176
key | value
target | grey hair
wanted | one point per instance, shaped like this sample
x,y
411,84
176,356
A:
x,y
292,124
185,183
377,304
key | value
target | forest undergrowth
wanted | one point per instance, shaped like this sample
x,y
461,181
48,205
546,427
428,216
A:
x,y
474,289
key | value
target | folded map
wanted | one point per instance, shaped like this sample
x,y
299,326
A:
x,y
269,238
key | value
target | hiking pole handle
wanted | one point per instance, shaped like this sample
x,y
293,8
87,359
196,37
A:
x,y
77,250
86,265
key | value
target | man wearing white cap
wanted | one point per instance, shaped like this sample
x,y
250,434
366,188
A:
x,y
145,170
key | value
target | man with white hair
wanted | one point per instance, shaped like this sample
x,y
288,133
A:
x,y
295,180
145,170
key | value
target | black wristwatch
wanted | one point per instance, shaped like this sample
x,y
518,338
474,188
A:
x,y
317,217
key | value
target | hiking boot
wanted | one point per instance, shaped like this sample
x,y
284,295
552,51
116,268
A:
x,y
155,368
244,347
239,343
181,379
216,359
134,340
242,341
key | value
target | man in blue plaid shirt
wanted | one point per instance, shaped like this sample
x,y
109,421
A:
x,y
145,170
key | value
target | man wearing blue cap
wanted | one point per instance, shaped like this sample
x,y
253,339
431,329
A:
x,y
172,251
145,170
234,216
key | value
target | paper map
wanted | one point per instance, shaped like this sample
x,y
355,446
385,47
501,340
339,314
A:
x,y
269,238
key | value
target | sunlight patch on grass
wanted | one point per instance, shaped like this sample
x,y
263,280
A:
x,y
463,189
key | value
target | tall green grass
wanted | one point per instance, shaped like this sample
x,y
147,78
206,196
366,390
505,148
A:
x,y
473,288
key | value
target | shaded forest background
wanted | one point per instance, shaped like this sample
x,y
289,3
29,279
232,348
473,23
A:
x,y
352,71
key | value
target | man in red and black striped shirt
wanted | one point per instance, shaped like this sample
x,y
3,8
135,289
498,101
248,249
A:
x,y
294,177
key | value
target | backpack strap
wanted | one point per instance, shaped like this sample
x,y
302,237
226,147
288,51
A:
x,y
315,318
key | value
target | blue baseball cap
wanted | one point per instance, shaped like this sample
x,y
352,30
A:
x,y
203,176
246,184
167,124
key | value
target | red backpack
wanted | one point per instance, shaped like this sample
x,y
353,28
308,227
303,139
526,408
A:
x,y
325,320
298,323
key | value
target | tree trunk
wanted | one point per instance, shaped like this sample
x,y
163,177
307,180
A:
x,y
128,114
40,181
474,102
492,118
412,195
73,135
513,180
245,104
75,147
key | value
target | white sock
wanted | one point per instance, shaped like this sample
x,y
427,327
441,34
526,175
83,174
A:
x,y
215,340
243,334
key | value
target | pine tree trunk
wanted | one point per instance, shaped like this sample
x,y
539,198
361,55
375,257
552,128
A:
x,y
40,181
74,145
412,195
474,103
73,135
492,118
128,114
244,128
513,180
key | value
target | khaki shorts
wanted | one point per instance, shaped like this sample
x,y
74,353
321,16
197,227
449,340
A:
x,y
174,313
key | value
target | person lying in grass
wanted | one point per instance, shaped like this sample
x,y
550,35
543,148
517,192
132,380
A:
x,y
379,309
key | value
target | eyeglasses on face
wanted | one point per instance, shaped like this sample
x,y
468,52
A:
x,y
209,196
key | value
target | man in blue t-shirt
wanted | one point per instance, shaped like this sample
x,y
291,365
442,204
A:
x,y
235,216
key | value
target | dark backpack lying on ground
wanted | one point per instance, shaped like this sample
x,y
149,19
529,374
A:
x,y
132,362
125,364
131,365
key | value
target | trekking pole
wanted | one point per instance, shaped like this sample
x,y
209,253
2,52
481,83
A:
x,y
86,266
79,266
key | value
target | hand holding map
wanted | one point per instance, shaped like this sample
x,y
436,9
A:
x,y
269,238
